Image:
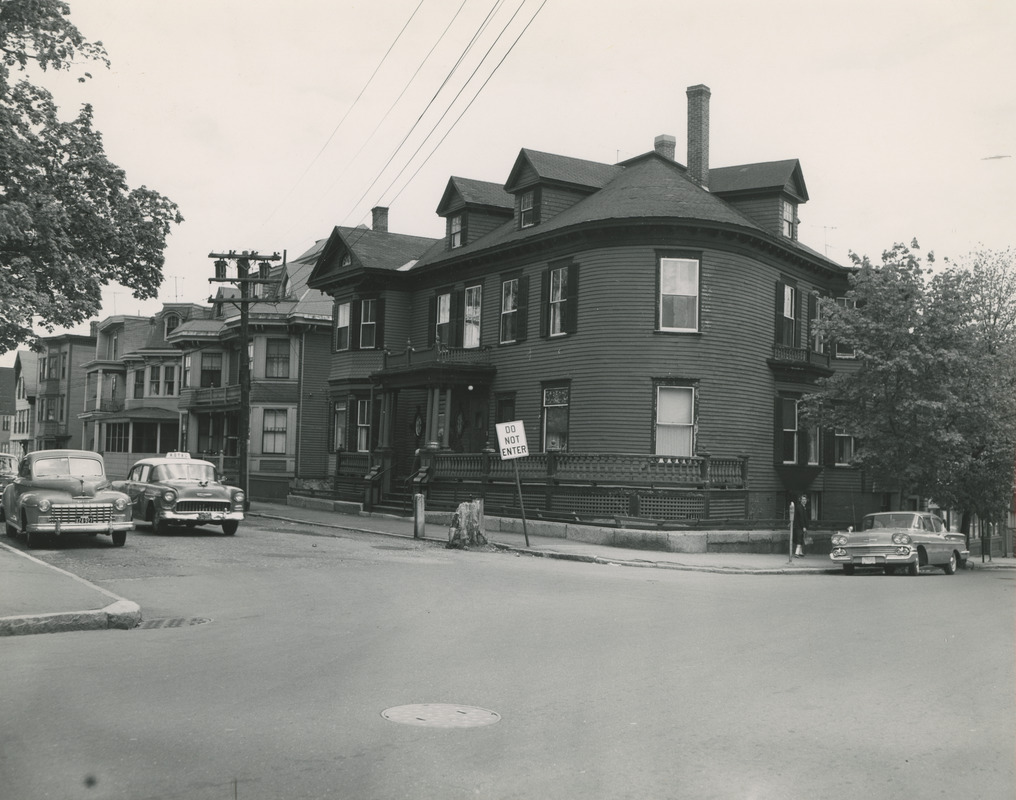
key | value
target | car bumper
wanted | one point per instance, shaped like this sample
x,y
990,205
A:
x,y
875,559
201,517
61,528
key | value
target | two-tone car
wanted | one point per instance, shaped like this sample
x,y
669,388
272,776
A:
x,y
64,492
889,540
177,490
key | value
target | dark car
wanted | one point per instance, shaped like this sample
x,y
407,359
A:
x,y
907,539
177,490
61,492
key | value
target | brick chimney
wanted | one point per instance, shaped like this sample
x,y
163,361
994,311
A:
x,y
666,146
698,134
380,220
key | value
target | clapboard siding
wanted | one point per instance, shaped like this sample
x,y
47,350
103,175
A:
x,y
314,408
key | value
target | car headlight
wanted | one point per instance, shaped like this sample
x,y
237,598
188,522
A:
x,y
120,504
238,497
901,538
169,496
44,505
839,551
838,539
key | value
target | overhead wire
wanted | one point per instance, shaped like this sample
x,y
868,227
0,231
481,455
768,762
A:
x,y
344,116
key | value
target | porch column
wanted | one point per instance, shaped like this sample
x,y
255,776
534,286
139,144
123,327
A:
x,y
445,444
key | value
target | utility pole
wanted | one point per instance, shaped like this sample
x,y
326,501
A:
x,y
244,282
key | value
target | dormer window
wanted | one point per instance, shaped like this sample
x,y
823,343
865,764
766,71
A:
x,y
347,260
789,219
527,209
172,321
455,231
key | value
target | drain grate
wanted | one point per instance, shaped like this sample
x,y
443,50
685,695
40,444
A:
x,y
441,715
172,622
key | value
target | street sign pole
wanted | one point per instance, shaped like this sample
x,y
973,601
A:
x,y
511,440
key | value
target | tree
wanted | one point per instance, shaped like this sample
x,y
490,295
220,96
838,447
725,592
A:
x,y
69,223
931,395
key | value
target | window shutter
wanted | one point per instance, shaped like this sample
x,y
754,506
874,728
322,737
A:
x,y
545,303
431,320
828,447
379,326
522,326
354,324
778,430
456,313
780,289
571,317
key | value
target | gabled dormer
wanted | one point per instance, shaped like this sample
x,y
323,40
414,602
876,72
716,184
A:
x,y
472,209
544,184
768,193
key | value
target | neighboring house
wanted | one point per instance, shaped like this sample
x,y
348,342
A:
x,y
288,348
26,383
133,387
61,391
650,323
7,408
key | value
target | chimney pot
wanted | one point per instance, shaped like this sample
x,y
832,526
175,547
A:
x,y
698,134
380,219
666,146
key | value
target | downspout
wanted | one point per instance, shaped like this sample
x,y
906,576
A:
x,y
301,356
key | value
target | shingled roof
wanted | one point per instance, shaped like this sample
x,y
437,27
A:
x,y
368,250
763,176
552,168
475,193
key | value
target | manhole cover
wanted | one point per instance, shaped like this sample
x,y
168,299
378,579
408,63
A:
x,y
172,622
441,715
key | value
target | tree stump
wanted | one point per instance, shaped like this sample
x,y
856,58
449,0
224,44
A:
x,y
464,529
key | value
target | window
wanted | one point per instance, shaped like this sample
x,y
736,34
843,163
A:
x,y
185,377
368,324
363,426
845,350
211,370
504,408
117,437
443,318
814,445
818,344
139,383
527,209
172,321
786,314
169,377
679,293
555,418
844,444
514,298
339,426
471,329
455,231
675,420
560,300
114,347
154,380
273,435
342,326
277,358
789,217
788,422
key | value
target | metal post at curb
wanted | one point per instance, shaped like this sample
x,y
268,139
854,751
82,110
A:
x,y
419,516
790,549
522,508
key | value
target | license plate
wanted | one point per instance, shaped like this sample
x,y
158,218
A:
x,y
204,516
868,560
84,520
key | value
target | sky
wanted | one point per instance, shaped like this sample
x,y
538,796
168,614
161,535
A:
x,y
269,123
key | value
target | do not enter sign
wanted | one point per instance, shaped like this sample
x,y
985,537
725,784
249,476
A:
x,y
511,439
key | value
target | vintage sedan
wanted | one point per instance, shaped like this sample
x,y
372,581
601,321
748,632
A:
x,y
892,539
179,490
62,492
8,469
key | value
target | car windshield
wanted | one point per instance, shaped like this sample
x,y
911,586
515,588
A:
x,y
72,466
892,521
185,471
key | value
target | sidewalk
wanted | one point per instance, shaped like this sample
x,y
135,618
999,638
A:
x,y
36,597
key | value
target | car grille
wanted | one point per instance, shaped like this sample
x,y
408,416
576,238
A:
x,y
70,513
191,506
873,550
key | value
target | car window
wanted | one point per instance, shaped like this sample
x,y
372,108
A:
x,y
928,526
939,525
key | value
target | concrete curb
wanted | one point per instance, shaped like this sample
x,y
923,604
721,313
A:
x,y
120,614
